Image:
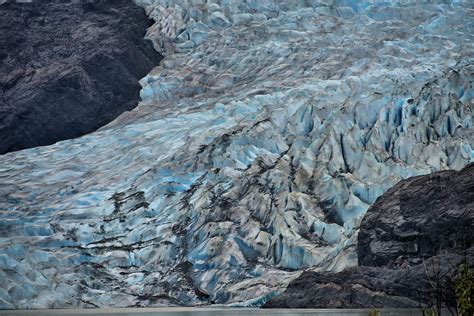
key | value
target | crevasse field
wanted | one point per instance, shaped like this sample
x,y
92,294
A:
x,y
261,140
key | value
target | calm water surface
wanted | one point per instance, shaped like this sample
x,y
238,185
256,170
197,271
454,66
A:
x,y
213,312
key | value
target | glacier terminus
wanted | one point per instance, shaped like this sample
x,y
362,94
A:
x,y
260,141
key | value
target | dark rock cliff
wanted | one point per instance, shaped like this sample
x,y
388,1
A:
x,y
68,69
415,233
419,218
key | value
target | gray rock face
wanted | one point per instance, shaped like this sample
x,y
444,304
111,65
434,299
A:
x,y
422,227
419,218
68,69
261,140
364,287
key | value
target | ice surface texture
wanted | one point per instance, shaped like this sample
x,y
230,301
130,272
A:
x,y
263,137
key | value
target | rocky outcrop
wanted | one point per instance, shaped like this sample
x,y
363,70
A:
x,y
415,234
419,218
67,69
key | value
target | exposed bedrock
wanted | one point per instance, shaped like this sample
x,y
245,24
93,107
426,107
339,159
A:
x,y
419,218
421,228
260,142
68,69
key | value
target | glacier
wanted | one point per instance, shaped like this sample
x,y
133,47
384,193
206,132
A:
x,y
261,140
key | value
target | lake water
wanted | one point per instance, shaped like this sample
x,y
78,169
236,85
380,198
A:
x,y
214,312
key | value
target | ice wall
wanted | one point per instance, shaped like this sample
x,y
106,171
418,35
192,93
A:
x,y
261,140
